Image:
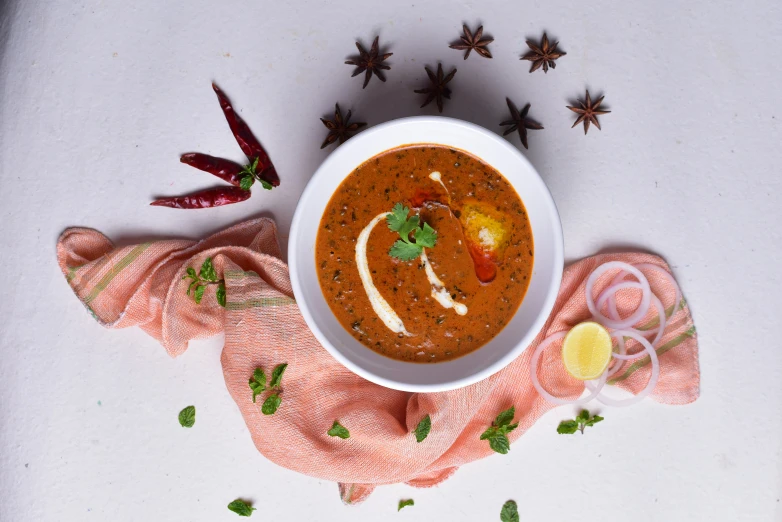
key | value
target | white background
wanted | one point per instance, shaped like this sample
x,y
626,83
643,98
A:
x,y
99,98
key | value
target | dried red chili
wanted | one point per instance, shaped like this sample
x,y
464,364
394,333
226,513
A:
x,y
260,167
224,169
214,197
247,141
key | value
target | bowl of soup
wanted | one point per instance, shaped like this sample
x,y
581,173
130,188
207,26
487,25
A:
x,y
426,254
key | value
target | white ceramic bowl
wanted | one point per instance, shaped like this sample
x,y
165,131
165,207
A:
x,y
546,272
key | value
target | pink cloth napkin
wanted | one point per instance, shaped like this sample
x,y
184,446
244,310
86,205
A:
x,y
142,286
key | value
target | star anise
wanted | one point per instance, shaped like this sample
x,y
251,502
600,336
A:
x,y
438,90
543,55
473,42
339,129
588,112
520,122
371,62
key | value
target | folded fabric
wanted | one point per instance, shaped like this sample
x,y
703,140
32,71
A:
x,y
143,286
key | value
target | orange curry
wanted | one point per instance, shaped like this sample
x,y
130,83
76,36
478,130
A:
x,y
483,256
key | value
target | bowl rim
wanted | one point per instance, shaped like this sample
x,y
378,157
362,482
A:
x,y
536,325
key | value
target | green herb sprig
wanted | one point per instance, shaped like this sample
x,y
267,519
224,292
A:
x,y
405,249
338,430
509,512
423,428
241,508
249,174
584,419
405,503
205,277
187,417
258,385
497,434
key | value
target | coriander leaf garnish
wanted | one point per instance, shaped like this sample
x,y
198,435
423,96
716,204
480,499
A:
x,y
509,512
271,404
497,434
582,420
338,430
423,428
397,218
405,503
241,508
187,417
426,236
205,277
405,249
277,375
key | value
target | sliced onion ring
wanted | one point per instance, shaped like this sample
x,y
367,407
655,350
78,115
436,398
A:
x,y
658,305
608,401
668,277
608,295
614,314
618,363
643,307
546,395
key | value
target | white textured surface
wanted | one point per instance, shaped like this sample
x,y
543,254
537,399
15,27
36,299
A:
x,y
98,98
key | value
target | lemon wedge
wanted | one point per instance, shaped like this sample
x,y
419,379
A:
x,y
586,351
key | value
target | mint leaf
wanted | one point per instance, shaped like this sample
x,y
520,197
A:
x,y
221,294
195,282
581,421
397,218
271,404
256,388
423,428
500,444
258,382
260,377
594,420
404,251
241,508
187,417
265,184
191,273
509,512
208,271
277,375
199,293
509,428
567,427
405,503
246,181
506,417
425,237
489,433
496,434
338,430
